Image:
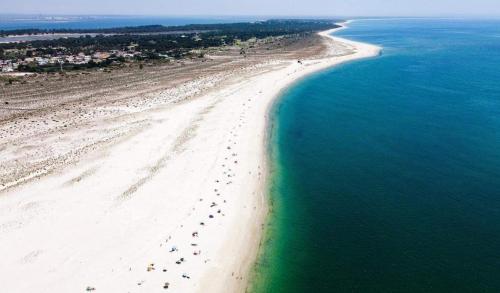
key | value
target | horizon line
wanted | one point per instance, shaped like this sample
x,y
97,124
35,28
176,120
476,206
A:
x,y
256,15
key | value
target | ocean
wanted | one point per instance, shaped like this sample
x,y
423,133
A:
x,y
386,171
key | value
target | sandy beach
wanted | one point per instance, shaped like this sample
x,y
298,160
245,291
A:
x,y
162,190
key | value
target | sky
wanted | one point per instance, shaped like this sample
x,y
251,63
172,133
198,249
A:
x,y
256,7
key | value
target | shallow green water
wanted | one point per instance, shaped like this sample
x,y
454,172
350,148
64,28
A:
x,y
387,171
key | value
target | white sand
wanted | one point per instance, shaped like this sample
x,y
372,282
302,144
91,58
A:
x,y
101,223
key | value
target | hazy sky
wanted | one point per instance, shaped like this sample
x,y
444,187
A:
x,y
257,7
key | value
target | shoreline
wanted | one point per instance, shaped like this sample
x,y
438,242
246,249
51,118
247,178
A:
x,y
369,50
178,196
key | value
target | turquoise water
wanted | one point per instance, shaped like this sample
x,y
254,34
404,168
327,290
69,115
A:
x,y
9,22
387,171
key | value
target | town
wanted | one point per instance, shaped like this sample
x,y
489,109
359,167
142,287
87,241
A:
x,y
138,44
52,59
10,63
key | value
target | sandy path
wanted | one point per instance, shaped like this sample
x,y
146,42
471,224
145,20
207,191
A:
x,y
179,200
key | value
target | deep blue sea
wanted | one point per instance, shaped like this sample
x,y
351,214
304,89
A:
x,y
386,171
